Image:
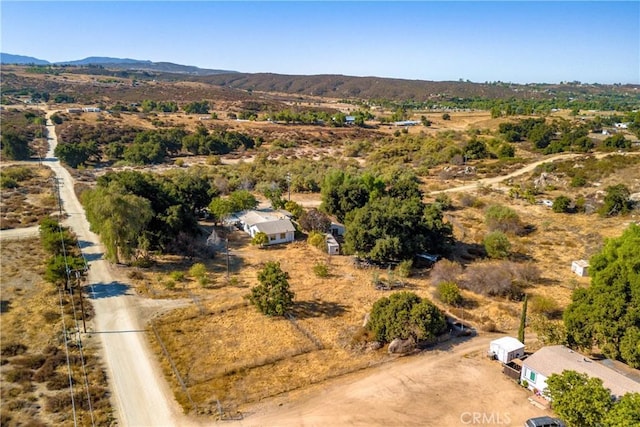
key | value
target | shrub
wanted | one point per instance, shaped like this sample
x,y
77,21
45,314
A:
x,y
321,269
170,284
545,305
178,276
317,240
502,218
404,268
260,239
445,271
198,270
491,279
449,293
561,204
497,245
19,375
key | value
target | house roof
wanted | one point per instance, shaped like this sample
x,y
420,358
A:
x,y
508,343
253,217
558,358
275,227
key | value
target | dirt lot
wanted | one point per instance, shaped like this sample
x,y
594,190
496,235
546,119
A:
x,y
448,387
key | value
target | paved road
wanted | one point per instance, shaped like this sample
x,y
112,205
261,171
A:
x,y
140,393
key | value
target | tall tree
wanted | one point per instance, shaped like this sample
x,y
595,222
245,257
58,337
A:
x,y
607,313
118,218
579,400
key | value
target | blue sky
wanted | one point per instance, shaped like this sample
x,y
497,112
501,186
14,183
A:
x,y
480,41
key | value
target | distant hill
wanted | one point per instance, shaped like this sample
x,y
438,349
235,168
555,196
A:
x,y
117,63
349,87
97,60
7,58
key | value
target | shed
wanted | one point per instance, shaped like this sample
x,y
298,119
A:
x,y
333,247
506,349
580,267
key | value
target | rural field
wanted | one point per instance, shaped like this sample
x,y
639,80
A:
x,y
318,364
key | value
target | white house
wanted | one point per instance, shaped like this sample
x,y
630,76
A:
x,y
275,224
580,267
538,367
506,349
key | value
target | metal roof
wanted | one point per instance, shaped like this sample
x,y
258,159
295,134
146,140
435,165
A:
x,y
558,358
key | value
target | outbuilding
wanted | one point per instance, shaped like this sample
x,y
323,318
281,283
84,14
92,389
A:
x,y
580,267
506,349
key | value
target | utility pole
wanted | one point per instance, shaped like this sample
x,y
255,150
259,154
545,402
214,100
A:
x,y
289,184
78,277
227,259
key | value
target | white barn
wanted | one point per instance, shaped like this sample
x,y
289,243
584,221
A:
x,y
538,367
333,247
506,349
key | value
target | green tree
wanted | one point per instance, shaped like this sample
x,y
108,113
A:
x,y
630,346
449,293
579,400
561,204
475,149
14,146
395,229
497,245
523,320
616,201
272,296
295,209
118,218
603,313
404,315
625,412
260,239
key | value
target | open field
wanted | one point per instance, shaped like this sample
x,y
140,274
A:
x,y
35,379
27,195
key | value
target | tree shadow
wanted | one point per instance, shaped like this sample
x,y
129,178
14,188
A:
x,y
308,309
466,253
85,244
5,306
93,257
107,290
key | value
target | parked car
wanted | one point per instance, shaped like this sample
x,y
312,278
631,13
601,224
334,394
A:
x,y
544,422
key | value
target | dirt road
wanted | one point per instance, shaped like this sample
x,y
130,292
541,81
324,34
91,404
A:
x,y
525,169
140,393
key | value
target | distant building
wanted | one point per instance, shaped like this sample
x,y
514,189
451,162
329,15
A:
x,y
580,267
538,367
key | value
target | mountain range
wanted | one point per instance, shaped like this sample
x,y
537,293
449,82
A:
x,y
123,63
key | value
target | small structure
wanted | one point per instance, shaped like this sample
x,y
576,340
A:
x,y
506,349
538,367
336,229
580,267
333,247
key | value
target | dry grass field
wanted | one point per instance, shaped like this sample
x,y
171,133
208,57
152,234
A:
x,y
35,380
27,195
224,350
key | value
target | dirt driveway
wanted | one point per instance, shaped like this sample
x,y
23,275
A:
x,y
455,387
